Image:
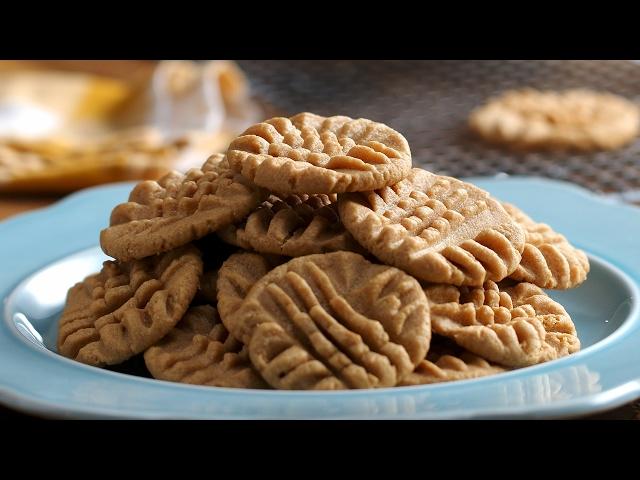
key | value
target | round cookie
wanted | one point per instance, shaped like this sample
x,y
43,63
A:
x,y
573,119
127,307
200,351
334,321
308,154
235,278
296,226
514,326
548,259
178,209
438,229
447,364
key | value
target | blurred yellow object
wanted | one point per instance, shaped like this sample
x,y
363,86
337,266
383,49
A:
x,y
75,96
80,172
58,168
62,130
47,167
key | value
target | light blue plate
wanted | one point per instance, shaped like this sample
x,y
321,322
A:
x,y
59,245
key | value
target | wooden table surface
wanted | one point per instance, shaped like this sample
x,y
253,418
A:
x,y
12,205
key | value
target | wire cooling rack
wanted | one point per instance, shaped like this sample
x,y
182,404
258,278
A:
x,y
429,101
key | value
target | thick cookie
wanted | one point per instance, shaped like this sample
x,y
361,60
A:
x,y
235,278
548,259
574,119
178,209
447,364
200,351
296,226
438,229
514,326
127,307
308,154
334,321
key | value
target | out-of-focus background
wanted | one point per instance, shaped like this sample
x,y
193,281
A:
x,y
66,125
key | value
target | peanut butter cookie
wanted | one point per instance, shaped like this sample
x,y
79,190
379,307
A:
x,y
296,226
178,209
446,364
515,326
334,321
438,229
200,351
308,154
238,274
127,307
548,259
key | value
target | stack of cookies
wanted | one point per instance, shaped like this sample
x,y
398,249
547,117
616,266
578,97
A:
x,y
313,256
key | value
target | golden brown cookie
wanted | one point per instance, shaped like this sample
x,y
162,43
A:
x,y
438,229
200,351
127,307
514,326
308,154
548,259
572,119
235,278
296,226
215,161
178,209
334,321
446,364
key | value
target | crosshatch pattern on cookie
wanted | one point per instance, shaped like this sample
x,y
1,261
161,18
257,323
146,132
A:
x,y
308,153
178,209
200,351
450,367
447,362
548,259
126,308
437,228
335,321
295,226
513,326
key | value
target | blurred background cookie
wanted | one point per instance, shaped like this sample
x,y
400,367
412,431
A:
x,y
577,119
